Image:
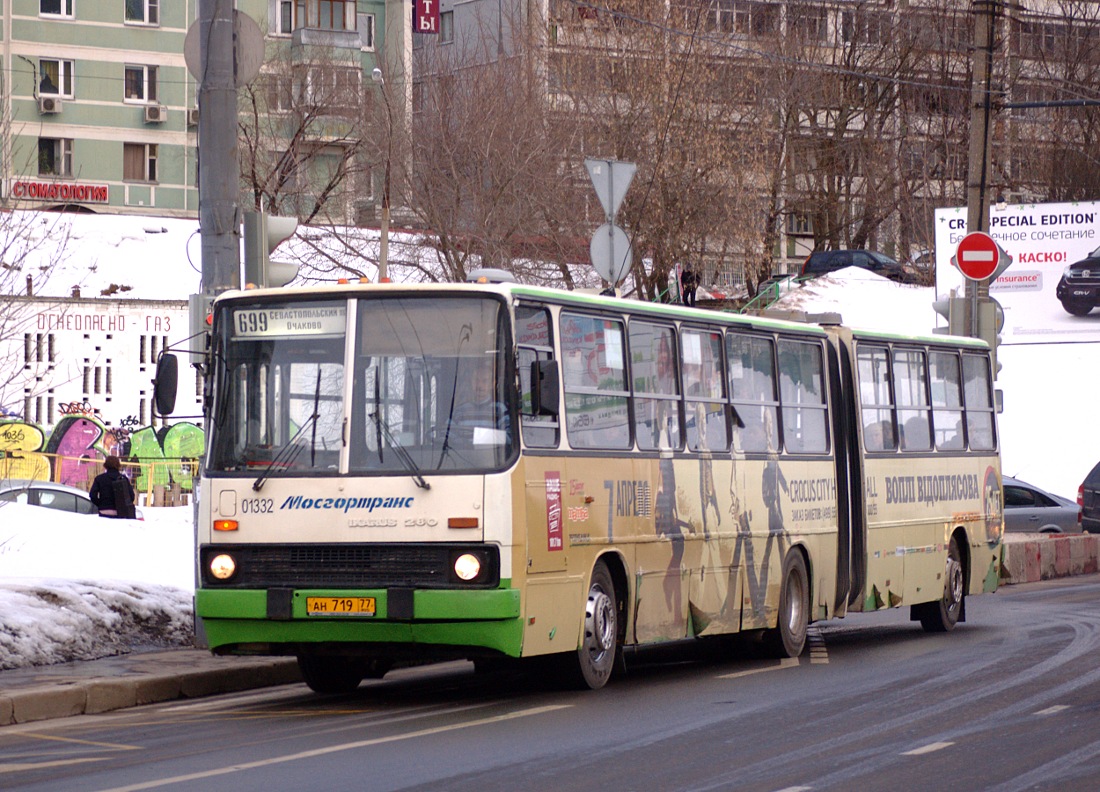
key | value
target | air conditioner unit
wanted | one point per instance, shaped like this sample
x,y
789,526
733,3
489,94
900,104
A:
x,y
156,114
49,104
193,117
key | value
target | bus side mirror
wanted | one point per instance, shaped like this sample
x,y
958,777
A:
x,y
544,387
165,383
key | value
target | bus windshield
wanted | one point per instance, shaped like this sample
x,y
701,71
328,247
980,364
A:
x,y
431,387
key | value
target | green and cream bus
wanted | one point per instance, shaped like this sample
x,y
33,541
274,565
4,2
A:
x,y
485,471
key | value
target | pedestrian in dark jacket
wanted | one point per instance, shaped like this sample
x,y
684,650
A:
x,y
112,493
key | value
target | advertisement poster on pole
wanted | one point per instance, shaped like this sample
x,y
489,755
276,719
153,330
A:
x,y
1043,240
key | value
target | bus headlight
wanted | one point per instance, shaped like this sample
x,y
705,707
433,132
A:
x,y
222,566
467,567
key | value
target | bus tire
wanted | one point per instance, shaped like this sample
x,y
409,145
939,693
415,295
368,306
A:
x,y
595,657
788,637
942,616
327,674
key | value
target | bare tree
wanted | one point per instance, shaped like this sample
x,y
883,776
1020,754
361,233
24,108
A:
x,y
654,86
491,180
299,130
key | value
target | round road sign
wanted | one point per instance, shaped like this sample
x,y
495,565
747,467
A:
x,y
977,255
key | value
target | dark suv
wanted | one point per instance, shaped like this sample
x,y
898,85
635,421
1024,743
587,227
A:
x,y
1079,288
1088,498
821,262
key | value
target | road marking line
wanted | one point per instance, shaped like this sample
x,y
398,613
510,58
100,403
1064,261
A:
x,y
120,747
786,662
221,771
15,767
1052,710
926,749
795,789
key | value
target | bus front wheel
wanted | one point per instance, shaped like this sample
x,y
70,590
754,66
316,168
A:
x,y
788,638
326,674
942,616
595,656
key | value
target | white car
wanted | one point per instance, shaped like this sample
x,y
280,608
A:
x,y
50,495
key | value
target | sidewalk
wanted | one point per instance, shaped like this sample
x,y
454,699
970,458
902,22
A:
x,y
89,687
85,688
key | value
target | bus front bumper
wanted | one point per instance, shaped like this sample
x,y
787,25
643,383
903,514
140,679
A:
x,y
483,619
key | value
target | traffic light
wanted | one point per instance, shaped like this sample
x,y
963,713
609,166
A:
x,y
991,320
199,309
262,234
953,309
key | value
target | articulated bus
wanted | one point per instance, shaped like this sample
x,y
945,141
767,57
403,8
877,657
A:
x,y
400,474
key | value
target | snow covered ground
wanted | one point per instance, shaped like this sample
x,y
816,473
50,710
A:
x,y
78,587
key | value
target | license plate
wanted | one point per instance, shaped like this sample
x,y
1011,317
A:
x,y
339,606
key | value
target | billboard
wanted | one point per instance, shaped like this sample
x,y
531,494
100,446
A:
x,y
1043,240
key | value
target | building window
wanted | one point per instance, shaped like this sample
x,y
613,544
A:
x,y
55,77
55,7
143,12
55,157
139,162
366,31
324,14
284,17
141,84
446,26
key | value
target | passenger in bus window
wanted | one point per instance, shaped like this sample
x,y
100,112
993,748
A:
x,y
879,436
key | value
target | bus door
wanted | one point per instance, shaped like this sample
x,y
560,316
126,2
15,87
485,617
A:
x,y
849,478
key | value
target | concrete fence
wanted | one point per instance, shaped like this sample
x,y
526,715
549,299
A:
x,y
1032,557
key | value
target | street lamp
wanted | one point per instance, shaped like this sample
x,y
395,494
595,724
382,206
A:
x,y
384,245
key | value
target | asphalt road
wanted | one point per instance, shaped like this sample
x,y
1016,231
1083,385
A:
x,y
1008,701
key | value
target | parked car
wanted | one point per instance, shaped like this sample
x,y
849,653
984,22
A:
x,y
50,495
1028,508
821,262
1088,498
1079,288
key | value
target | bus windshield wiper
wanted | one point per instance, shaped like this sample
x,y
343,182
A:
x,y
287,454
399,449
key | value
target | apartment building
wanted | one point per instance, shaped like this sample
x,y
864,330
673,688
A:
x,y
100,112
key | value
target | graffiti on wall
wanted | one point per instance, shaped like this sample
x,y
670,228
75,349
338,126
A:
x,y
73,452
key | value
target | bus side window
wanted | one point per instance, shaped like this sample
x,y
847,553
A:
x,y
979,404
656,386
535,343
597,402
876,402
802,395
704,388
947,414
752,390
911,393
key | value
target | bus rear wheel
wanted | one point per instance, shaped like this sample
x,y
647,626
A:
x,y
595,657
327,674
788,638
942,616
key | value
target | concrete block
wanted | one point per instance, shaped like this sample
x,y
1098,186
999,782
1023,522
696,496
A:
x,y
1061,555
44,703
1014,566
1031,561
6,716
1046,559
105,695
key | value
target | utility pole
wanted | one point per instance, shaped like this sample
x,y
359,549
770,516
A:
x,y
219,222
985,14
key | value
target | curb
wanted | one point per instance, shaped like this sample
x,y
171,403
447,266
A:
x,y
93,695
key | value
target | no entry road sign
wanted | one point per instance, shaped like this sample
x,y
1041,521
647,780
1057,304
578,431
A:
x,y
977,255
